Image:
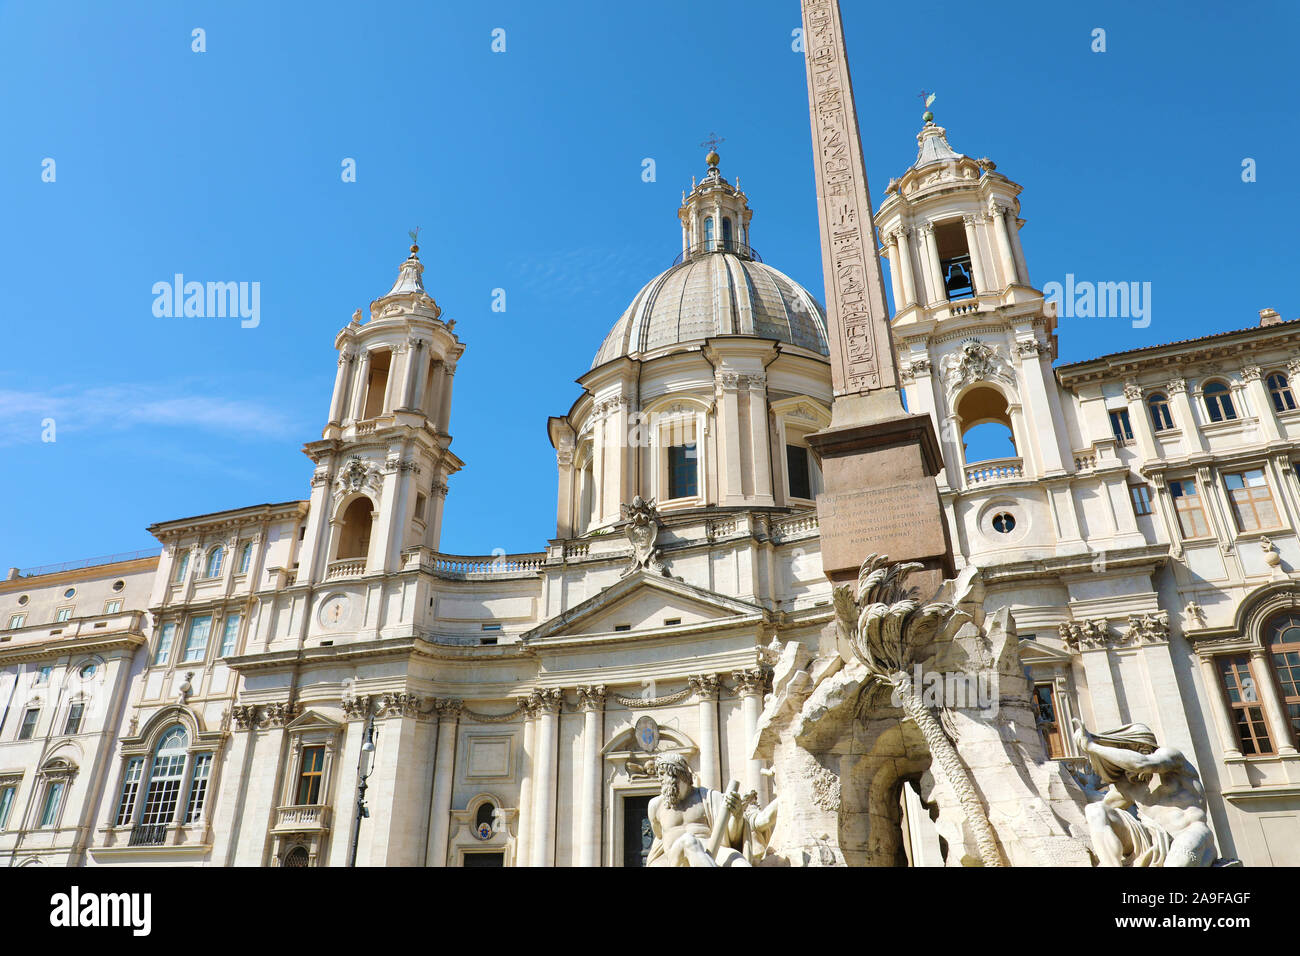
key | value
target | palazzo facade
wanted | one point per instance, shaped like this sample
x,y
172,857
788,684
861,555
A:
x,y
508,708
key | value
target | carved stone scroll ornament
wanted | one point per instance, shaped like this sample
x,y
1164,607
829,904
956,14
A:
x,y
976,361
642,531
357,475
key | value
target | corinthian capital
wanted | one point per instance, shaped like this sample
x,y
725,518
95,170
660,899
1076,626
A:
x,y
749,682
591,697
705,686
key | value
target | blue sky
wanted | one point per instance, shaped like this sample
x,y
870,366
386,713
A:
x,y
524,170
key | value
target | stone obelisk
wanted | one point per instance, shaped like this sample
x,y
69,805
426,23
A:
x,y
878,462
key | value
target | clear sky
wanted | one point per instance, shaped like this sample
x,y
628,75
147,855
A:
x,y
524,169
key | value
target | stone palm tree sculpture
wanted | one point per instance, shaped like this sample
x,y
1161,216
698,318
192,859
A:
x,y
889,631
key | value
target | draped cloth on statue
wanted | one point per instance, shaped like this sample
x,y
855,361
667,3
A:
x,y
1150,841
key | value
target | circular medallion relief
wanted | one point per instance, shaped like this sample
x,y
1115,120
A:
x,y
334,611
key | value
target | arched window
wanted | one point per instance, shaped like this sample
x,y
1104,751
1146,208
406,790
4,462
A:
x,y
1158,405
1218,402
708,234
988,442
1280,390
245,557
726,234
295,857
354,536
182,565
165,778
1282,639
213,567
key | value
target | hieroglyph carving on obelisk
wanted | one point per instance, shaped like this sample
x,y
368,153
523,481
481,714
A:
x,y
862,355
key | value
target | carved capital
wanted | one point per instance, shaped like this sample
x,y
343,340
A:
x,y
749,682
549,700
245,716
705,686
280,713
591,697
357,708
448,708
1251,373
1176,386
1132,392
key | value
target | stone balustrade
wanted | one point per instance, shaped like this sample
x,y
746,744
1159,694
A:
x,y
995,469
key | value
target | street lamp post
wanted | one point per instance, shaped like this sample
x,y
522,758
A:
x,y
365,767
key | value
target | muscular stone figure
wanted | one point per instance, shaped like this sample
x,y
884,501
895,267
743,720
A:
x,y
1170,828
682,819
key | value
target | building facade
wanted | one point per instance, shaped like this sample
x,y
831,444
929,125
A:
x,y
507,709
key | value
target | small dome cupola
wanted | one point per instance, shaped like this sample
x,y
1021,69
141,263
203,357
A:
x,y
715,214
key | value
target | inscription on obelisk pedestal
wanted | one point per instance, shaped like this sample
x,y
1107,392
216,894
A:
x,y
878,462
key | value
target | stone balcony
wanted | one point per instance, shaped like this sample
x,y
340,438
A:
x,y
345,568
301,819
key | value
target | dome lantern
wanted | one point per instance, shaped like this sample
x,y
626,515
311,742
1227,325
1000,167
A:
x,y
715,215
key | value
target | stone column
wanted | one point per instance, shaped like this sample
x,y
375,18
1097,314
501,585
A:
x,y
905,269
524,836
933,270
1222,718
1140,419
729,429
359,385
999,213
895,273
548,726
1275,714
444,410
340,387
759,439
412,370
706,692
444,776
976,262
1184,417
591,700
749,685
1262,403
1052,443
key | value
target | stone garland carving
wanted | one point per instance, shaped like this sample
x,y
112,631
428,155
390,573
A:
x,y
642,530
886,627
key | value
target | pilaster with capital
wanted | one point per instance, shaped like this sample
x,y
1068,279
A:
x,y
705,687
548,702
591,701
444,775
750,684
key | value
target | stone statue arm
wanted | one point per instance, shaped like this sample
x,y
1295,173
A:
x,y
1162,760
762,821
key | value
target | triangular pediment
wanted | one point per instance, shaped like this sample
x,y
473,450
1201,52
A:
x,y
311,720
643,602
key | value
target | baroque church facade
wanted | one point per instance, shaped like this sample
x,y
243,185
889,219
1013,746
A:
x,y
219,702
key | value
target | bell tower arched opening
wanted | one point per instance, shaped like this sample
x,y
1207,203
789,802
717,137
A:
x,y
986,432
354,535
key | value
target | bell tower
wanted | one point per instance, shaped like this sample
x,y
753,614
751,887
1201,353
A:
x,y
384,456
975,340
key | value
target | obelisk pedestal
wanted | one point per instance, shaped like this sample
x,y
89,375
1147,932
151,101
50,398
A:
x,y
878,462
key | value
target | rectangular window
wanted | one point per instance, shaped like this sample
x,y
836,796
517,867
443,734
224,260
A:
x,y
198,788
1243,700
165,643
229,635
28,728
73,724
796,463
1044,702
43,675
1252,502
196,642
164,790
1119,424
16,620
7,793
419,507
112,607
53,798
62,614
1187,503
683,476
309,777
1141,499
130,790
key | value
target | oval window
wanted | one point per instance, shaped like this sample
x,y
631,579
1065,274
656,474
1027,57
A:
x,y
1004,522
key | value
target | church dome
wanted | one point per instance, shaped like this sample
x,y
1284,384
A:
x,y
722,293
718,286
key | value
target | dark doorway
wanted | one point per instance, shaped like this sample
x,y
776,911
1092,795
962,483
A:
x,y
637,835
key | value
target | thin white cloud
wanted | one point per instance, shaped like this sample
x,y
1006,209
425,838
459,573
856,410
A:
x,y
129,406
